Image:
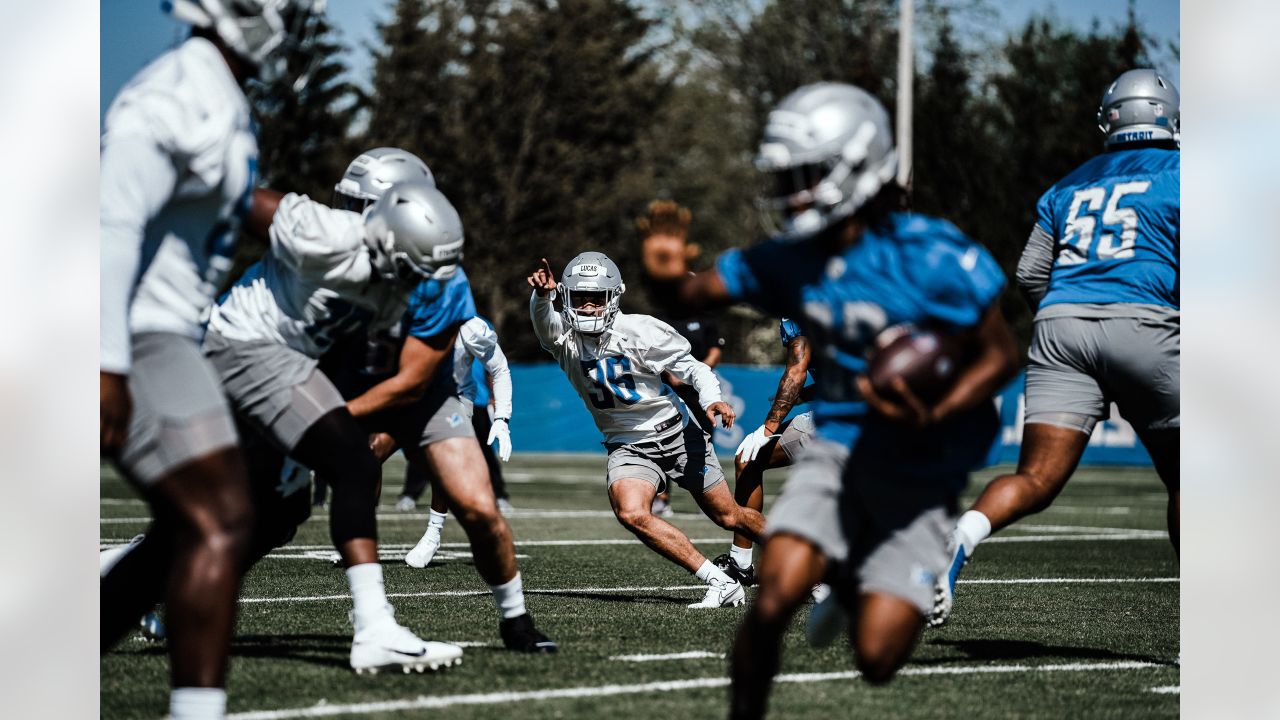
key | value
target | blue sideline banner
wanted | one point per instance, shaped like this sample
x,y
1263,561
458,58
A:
x,y
550,417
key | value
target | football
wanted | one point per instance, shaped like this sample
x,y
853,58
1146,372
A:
x,y
926,360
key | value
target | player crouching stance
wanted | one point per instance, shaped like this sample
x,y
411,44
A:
x,y
616,361
328,273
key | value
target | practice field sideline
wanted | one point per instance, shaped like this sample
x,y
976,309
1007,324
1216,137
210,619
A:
x,y
1073,613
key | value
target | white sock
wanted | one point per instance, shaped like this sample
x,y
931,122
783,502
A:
x,y
973,527
437,521
509,597
367,591
193,703
742,556
709,572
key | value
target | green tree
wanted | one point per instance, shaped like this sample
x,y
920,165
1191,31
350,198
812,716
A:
x,y
304,141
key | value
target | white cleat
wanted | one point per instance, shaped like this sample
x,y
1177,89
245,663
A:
x,y
406,504
826,620
386,644
722,594
944,588
422,553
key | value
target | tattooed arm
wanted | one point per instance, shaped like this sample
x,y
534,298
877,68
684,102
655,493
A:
x,y
792,382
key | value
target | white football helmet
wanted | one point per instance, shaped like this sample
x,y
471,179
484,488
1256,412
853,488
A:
x,y
590,278
258,31
370,174
828,149
414,233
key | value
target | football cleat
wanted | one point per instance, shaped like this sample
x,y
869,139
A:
x,y
422,553
519,634
504,506
387,645
826,620
406,504
746,576
944,589
722,594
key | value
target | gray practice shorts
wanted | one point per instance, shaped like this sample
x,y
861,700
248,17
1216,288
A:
x,y
1078,366
889,533
439,416
686,458
179,411
274,387
797,435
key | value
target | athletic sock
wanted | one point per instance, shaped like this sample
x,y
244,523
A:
x,y
709,572
740,555
367,592
196,703
437,521
973,527
509,597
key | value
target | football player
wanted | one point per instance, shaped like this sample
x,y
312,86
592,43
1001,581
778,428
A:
x,y
776,443
178,163
415,399
330,272
476,340
871,498
615,361
1100,271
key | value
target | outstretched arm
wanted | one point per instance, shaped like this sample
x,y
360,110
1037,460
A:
x,y
792,382
546,322
419,360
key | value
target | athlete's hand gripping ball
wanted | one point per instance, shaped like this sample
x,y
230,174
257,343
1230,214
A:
x,y
502,434
725,412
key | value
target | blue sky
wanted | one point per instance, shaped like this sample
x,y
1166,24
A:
x,y
134,31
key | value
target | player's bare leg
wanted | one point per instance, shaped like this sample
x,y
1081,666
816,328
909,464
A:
x,y
724,510
337,446
459,465
208,517
632,499
748,486
1049,455
1163,446
885,631
789,568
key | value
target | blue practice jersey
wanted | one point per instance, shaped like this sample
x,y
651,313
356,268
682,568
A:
x,y
914,269
1116,225
435,306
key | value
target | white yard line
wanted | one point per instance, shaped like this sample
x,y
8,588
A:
x,y
497,698
682,588
1168,690
691,655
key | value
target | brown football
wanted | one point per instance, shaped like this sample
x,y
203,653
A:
x,y
927,361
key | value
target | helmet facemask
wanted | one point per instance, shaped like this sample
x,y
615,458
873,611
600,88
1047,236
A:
x,y
590,311
263,33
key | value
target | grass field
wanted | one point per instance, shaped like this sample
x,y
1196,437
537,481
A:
x,y
1072,613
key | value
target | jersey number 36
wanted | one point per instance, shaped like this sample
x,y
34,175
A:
x,y
612,379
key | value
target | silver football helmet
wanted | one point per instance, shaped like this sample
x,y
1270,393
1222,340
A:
x,y
828,149
414,233
590,279
1140,106
258,31
370,174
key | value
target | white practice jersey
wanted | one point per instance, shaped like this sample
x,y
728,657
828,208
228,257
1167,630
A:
x,y
316,283
619,372
477,340
178,165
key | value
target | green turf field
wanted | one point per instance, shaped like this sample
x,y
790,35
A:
x,y
1073,613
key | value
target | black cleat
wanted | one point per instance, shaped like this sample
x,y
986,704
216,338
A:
x,y
730,567
519,634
